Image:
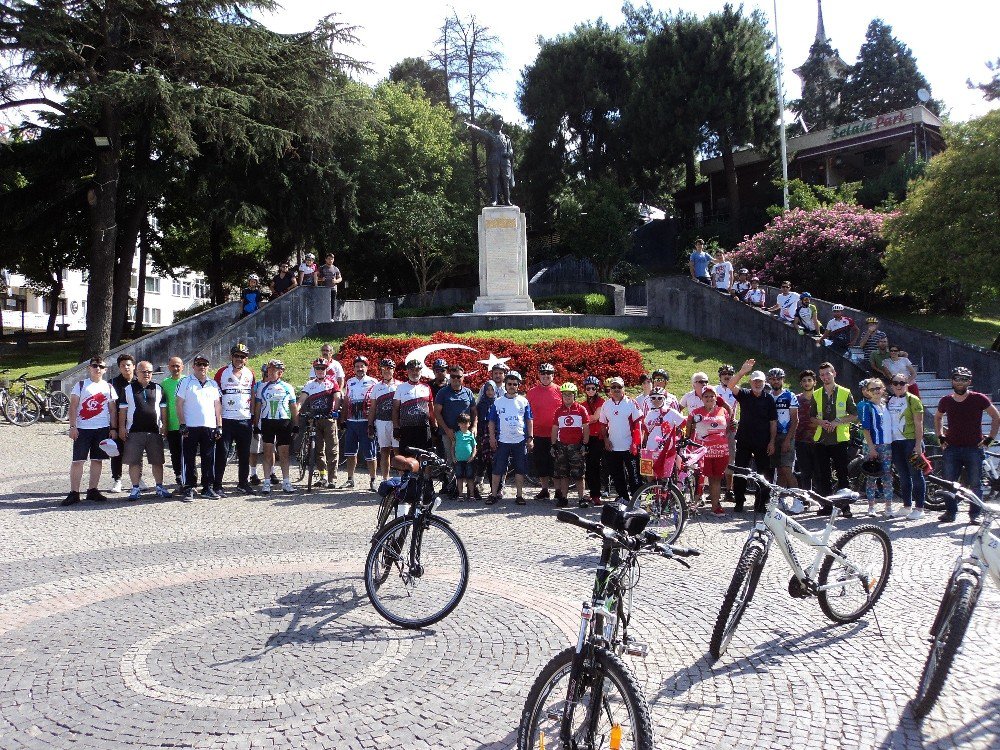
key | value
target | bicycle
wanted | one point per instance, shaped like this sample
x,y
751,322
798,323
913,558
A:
x,y
4,393
846,588
587,696
428,558
990,480
27,406
672,499
959,600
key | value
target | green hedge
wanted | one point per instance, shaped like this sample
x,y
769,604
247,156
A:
x,y
593,303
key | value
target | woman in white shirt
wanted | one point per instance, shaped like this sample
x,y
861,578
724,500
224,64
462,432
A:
x,y
895,364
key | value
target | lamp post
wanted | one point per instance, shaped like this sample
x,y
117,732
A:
x,y
781,110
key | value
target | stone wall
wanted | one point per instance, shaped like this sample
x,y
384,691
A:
x,y
537,290
467,323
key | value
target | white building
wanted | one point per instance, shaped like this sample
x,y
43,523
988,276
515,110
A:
x,y
165,296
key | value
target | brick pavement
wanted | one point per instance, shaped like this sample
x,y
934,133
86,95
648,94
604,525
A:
x,y
243,623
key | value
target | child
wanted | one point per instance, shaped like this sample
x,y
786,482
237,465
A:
x,y
570,433
873,417
465,454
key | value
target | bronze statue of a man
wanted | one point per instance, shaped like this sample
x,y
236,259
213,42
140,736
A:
x,y
499,160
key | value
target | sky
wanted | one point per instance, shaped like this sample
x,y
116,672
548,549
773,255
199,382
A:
x,y
952,41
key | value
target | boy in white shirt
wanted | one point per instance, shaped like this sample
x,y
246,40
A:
x,y
93,419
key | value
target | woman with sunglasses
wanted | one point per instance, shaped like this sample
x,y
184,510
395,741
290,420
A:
x,y
874,424
896,365
906,428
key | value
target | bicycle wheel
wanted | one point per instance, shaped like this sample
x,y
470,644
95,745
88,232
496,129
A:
x,y
59,406
961,600
869,548
738,595
386,512
607,696
22,410
666,507
309,443
302,457
417,571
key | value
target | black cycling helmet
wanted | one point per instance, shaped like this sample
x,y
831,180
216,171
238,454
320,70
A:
x,y
961,372
386,362
727,369
547,367
361,358
660,374
440,364
872,468
240,349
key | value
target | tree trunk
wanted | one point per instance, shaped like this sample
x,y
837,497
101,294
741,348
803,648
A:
x,y
690,173
216,240
54,291
141,292
732,187
131,220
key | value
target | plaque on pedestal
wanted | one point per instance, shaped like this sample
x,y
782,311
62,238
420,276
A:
x,y
503,262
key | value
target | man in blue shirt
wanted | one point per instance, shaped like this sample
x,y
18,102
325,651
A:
x,y
698,264
450,401
510,436
788,422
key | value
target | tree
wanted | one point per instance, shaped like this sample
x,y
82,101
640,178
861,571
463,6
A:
x,y
417,72
884,78
819,104
990,88
595,221
942,243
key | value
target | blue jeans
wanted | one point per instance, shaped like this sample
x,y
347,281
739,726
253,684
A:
x,y
957,458
912,485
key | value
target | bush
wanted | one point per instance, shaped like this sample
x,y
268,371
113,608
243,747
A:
x,y
836,253
191,311
572,359
592,303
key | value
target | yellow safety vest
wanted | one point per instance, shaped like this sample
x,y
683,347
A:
x,y
843,430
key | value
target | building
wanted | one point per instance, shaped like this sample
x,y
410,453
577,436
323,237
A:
x,y
164,298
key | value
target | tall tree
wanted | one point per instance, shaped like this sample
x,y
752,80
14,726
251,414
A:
x,y
819,105
990,88
416,71
884,78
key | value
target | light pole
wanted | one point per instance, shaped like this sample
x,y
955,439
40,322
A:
x,y
781,110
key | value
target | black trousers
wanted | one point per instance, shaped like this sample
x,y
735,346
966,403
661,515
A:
x,y
199,440
240,431
176,456
116,461
746,450
838,457
620,467
805,464
595,460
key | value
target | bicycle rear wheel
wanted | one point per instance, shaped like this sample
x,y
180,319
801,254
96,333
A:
x,y
608,695
307,448
738,596
417,571
961,601
666,507
22,410
869,548
59,406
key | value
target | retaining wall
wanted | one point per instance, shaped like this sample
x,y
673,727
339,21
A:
x,y
468,295
467,323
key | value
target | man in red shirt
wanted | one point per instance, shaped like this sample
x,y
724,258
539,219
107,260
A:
x,y
544,399
963,441
595,445
570,433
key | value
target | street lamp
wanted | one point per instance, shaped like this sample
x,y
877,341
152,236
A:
x,y
781,111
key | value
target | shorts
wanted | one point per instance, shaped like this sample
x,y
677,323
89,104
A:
x,y
463,470
256,444
516,453
714,467
782,458
150,443
569,461
383,434
542,456
87,444
355,437
276,431
414,437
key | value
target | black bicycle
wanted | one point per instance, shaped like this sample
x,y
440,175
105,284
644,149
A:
x,y
587,696
417,568
25,403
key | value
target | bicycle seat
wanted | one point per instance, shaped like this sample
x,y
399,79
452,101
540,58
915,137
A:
x,y
842,499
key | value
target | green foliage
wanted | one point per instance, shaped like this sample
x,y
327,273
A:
x,y
942,244
990,88
821,88
417,73
595,221
809,197
888,189
192,311
592,303
628,274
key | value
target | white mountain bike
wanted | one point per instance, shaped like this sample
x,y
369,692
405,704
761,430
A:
x,y
960,597
847,577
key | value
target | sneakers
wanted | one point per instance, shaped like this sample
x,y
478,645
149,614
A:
x,y
584,502
274,478
286,486
797,507
371,485
871,510
219,492
162,491
94,495
975,521
349,484
143,485
595,500
135,493
178,481
116,486
246,489
189,494
721,511
210,493
71,499
265,489
491,499
894,513
255,481
519,500
321,482
947,518
915,515
563,502
542,495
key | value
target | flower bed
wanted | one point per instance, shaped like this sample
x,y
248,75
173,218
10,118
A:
x,y
573,359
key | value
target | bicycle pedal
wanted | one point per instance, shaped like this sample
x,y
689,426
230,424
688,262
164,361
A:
x,y
553,715
637,648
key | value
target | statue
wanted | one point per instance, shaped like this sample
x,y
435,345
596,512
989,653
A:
x,y
499,160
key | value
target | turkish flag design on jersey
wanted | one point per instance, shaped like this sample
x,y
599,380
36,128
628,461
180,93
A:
x,y
93,406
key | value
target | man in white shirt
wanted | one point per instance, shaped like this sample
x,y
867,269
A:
x,y
236,385
354,416
786,303
742,284
93,418
199,408
380,414
510,427
334,369
722,272
620,413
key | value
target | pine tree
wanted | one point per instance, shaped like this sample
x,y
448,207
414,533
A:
x,y
821,88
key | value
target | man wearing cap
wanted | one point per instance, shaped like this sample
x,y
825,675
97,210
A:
x,y
320,399
252,296
412,411
440,380
785,303
380,413
835,411
236,384
510,428
755,296
756,434
354,417
449,403
807,316
199,408
620,414
742,285
544,398
278,412
93,419
175,366
142,415
307,270
963,441
841,330
870,339
788,422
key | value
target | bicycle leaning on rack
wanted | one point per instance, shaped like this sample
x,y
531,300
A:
x,y
959,600
25,406
847,577
586,696
671,499
417,568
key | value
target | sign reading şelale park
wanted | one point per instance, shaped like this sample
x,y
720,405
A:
x,y
869,126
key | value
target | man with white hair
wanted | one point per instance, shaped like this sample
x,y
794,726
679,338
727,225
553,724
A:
x,y
143,426
756,433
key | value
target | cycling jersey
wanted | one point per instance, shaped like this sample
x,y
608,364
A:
x,y
659,425
569,421
334,370
380,399
237,392
356,397
785,402
509,415
414,404
276,400
619,418
320,398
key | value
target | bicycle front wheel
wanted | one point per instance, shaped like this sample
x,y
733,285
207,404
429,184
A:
x,y
738,596
417,571
961,599
844,594
302,458
666,507
22,410
59,406
609,710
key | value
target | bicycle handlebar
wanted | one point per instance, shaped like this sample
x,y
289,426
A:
x,y
743,471
964,493
647,539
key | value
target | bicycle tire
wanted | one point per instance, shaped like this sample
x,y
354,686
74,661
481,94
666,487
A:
x,y
301,457
668,512
828,602
745,579
310,443
386,510
22,410
539,715
4,397
948,637
58,406
398,603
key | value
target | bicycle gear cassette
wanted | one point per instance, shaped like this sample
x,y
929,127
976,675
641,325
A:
x,y
799,589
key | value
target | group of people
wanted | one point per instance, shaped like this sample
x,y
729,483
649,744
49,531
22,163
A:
x,y
308,273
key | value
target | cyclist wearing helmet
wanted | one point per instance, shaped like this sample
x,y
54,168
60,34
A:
x,y
510,426
660,379
412,411
252,296
870,339
380,413
278,412
807,316
570,433
592,402
440,380
544,399
257,442
236,382
320,398
307,271
742,285
841,331
354,417
788,422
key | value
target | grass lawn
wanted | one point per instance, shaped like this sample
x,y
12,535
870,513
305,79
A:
x,y
678,353
980,328
44,358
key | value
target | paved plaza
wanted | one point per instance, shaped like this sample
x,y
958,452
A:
x,y
243,623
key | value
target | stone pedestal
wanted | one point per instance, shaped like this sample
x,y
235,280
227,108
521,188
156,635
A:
x,y
503,262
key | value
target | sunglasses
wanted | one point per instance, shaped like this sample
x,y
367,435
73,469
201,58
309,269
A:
x,y
617,388
100,367
701,382
656,398
456,375
899,382
239,356
144,372
590,387
201,364
962,379
876,388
